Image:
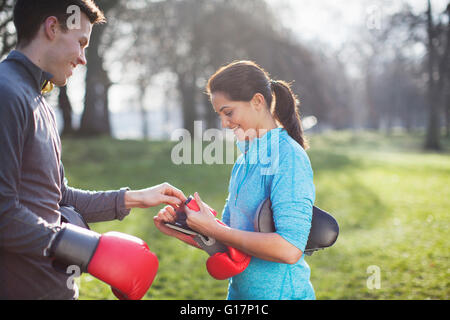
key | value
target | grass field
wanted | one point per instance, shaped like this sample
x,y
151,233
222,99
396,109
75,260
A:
x,y
390,198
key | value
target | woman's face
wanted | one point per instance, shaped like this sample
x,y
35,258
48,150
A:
x,y
239,116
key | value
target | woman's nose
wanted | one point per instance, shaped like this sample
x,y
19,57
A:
x,y
225,123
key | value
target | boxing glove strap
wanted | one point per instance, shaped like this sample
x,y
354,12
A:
x,y
210,245
74,245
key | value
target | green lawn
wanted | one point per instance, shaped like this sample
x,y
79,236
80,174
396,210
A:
x,y
390,198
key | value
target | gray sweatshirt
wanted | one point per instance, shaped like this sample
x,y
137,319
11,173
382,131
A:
x,y
33,187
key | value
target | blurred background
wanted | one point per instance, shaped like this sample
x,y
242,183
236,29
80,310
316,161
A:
x,y
373,77
363,64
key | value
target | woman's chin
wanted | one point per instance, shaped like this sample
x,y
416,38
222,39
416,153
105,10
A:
x,y
239,134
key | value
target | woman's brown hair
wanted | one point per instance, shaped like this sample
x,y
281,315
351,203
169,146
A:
x,y
241,80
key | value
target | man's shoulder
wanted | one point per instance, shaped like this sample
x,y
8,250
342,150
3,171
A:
x,y
11,77
14,90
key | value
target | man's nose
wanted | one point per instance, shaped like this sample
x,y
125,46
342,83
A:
x,y
82,58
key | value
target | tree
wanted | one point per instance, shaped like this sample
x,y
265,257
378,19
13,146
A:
x,y
438,47
95,117
66,109
194,37
7,31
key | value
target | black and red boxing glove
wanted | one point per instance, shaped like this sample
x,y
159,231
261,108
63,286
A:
x,y
122,261
224,261
226,264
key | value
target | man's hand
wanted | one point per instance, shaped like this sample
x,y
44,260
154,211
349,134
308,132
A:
x,y
154,196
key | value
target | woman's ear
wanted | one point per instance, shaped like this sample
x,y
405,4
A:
x,y
258,102
51,27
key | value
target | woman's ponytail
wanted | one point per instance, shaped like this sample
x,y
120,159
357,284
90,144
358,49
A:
x,y
286,111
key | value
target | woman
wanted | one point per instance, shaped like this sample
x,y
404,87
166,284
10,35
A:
x,y
242,94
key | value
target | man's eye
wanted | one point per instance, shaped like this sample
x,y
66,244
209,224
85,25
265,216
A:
x,y
229,114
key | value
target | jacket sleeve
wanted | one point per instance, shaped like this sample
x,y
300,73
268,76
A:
x,y
292,196
94,206
21,231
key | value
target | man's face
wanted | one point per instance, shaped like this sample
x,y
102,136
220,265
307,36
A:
x,y
67,51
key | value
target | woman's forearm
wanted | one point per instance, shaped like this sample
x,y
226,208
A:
x,y
266,246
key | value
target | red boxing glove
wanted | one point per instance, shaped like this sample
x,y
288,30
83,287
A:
x,y
123,261
227,261
224,261
224,265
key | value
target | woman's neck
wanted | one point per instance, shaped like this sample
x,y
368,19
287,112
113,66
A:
x,y
268,124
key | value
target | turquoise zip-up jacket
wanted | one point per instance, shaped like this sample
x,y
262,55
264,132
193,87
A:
x,y
274,166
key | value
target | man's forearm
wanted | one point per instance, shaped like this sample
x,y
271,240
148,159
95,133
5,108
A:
x,y
133,199
97,206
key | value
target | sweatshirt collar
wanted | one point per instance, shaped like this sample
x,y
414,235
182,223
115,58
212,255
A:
x,y
262,144
40,78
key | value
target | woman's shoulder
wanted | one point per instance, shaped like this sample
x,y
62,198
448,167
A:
x,y
290,149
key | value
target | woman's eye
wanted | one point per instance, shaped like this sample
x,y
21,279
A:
x,y
229,114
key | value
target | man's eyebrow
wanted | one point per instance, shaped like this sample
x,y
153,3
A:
x,y
223,108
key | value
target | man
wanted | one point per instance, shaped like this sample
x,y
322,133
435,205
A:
x,y
32,183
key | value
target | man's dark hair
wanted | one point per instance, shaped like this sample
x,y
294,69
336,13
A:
x,y
30,14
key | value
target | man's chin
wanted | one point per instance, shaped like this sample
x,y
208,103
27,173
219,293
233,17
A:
x,y
59,83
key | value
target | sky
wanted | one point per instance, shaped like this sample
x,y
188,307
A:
x,y
332,22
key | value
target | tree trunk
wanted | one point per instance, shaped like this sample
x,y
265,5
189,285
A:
x,y
95,118
373,116
66,108
433,126
186,85
447,115
144,112
211,117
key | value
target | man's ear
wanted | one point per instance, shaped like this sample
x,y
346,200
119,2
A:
x,y
258,101
51,27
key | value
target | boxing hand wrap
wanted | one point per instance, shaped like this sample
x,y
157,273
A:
x,y
122,261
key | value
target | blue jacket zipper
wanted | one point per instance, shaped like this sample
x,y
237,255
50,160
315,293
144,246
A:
x,y
245,174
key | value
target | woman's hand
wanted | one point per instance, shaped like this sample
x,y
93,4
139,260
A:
x,y
154,196
201,221
168,215
165,215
